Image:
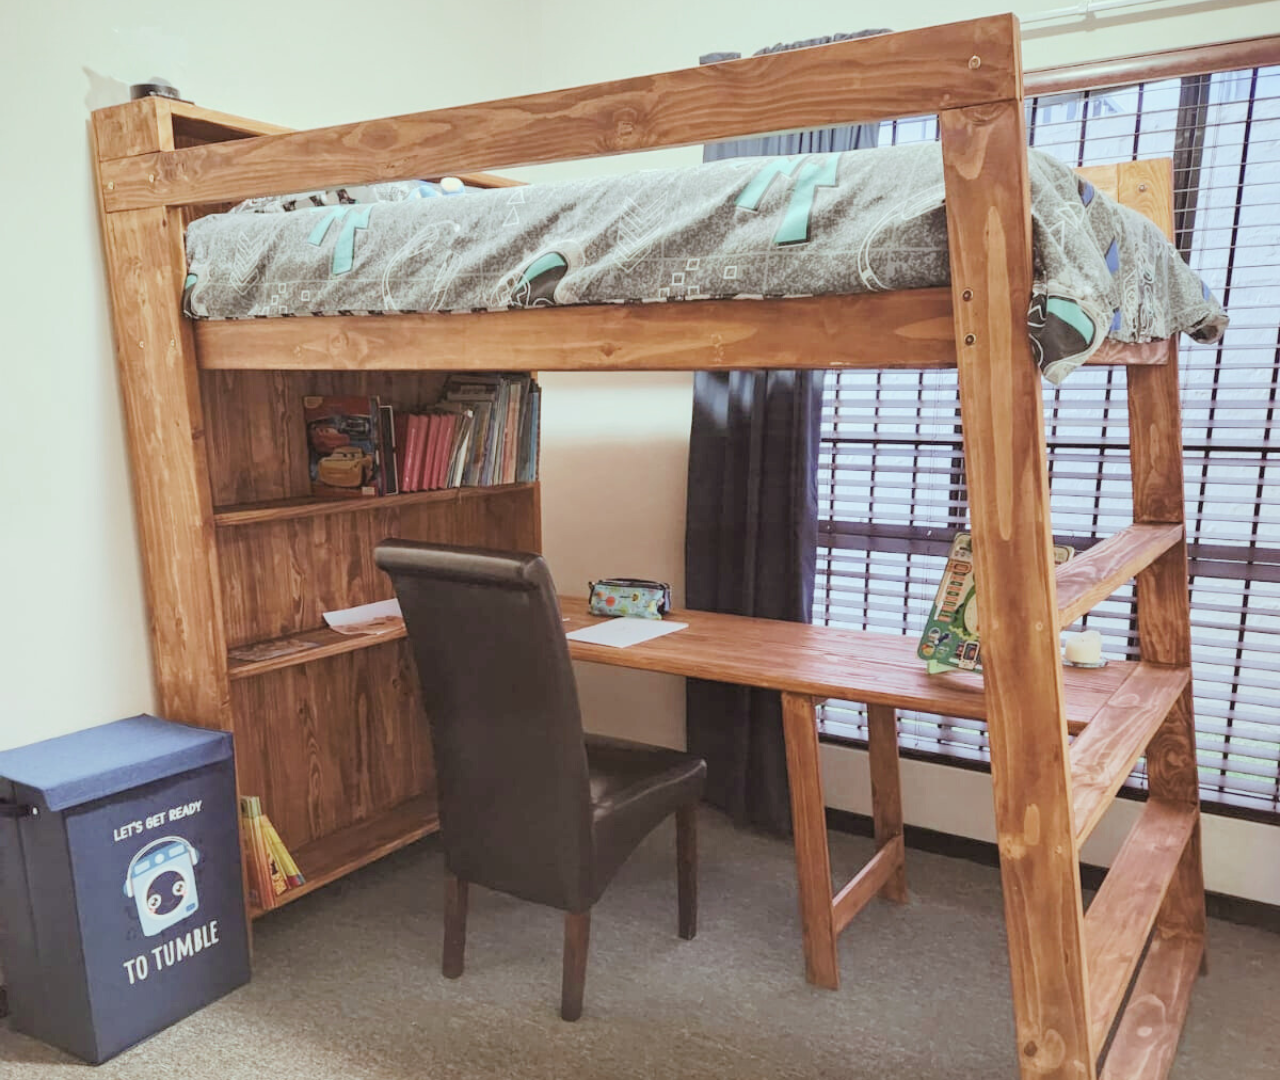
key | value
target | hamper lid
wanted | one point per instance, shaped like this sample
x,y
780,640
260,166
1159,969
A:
x,y
105,760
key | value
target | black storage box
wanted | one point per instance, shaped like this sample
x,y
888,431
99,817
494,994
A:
x,y
120,882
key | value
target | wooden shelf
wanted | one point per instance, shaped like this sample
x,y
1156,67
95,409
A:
x,y
284,509
309,645
329,858
1095,574
1121,916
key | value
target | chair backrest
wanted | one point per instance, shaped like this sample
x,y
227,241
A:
x,y
486,632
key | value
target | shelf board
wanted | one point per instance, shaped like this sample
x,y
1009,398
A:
x,y
332,856
307,646
284,509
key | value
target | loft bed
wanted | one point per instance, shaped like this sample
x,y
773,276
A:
x,y
233,554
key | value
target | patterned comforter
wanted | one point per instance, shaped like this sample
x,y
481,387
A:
x,y
743,228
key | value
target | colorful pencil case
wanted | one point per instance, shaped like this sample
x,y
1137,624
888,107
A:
x,y
630,596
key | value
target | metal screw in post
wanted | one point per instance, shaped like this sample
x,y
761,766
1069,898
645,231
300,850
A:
x,y
975,62
969,339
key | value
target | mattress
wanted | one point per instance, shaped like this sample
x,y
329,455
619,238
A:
x,y
741,229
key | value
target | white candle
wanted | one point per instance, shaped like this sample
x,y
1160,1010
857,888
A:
x,y
1085,647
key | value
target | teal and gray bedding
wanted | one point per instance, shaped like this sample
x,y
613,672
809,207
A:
x,y
744,228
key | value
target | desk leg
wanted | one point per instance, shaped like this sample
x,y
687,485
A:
x,y
813,859
886,791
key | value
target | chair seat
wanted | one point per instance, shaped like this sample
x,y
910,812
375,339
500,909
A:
x,y
633,787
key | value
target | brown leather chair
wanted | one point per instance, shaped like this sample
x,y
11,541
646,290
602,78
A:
x,y
528,804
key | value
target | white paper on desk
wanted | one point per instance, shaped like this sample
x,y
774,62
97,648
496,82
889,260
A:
x,y
624,631
375,618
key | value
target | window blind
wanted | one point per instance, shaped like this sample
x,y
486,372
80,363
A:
x,y
891,479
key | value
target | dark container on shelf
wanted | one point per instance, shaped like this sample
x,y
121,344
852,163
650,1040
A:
x,y
120,882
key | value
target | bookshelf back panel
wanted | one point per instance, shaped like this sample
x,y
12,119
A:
x,y
279,577
329,744
256,434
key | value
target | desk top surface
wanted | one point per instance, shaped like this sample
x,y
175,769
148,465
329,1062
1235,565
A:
x,y
850,665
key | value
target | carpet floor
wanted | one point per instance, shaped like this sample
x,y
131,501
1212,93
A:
x,y
348,985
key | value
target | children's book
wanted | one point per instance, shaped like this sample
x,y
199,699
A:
x,y
343,442
950,640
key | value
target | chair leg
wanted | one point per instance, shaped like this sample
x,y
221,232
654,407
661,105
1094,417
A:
x,y
577,934
687,869
455,925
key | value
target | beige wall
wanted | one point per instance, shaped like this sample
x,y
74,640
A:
x,y
73,649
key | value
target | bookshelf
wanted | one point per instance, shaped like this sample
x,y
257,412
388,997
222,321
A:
x,y
333,737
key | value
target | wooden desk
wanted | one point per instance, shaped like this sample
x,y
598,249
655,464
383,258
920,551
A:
x,y
807,664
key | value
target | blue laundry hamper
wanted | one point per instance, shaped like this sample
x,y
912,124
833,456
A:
x,y
120,882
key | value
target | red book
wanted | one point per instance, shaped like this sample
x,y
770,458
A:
x,y
427,475
417,448
449,424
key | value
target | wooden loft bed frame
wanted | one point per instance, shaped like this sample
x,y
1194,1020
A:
x,y
209,407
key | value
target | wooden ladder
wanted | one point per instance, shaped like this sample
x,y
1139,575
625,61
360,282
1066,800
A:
x,y
1143,934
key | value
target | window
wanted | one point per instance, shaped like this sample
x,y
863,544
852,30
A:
x,y
891,479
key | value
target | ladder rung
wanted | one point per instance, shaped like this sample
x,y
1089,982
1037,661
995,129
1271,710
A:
x,y
1121,916
1095,574
1147,1037
1104,754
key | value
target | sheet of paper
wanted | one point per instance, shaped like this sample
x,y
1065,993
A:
x,y
375,618
624,631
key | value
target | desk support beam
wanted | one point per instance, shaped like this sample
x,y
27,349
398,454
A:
x,y
886,793
809,823
823,916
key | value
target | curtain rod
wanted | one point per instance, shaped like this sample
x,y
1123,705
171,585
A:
x,y
1169,64
1086,8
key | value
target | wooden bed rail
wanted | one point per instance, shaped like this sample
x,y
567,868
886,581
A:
x,y
886,77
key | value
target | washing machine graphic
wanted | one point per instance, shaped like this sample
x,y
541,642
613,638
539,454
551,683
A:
x,y
162,881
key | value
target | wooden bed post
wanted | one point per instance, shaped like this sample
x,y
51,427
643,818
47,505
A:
x,y
160,385
989,232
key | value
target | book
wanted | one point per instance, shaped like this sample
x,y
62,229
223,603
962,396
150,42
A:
x,y
288,868
342,443
402,448
257,860
388,474
950,640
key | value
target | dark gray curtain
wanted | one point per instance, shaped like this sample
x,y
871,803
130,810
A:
x,y
752,525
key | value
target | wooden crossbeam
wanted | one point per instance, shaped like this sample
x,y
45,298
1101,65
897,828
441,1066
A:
x,y
1147,1036
1120,919
1100,571
1104,754
913,331
882,867
876,78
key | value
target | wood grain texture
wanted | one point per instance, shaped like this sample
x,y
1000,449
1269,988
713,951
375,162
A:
x,y
333,856
1104,754
225,517
1146,1039
809,826
913,330
875,877
879,78
1163,597
1092,576
279,577
822,661
1120,918
135,127
257,429
335,744
989,231
886,792
160,389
